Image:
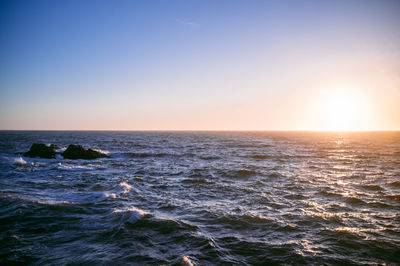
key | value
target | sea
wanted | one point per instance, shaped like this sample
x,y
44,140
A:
x,y
202,198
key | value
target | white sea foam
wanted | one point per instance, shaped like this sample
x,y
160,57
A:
x,y
126,187
133,212
60,150
123,188
54,202
110,195
35,200
19,161
185,261
74,167
101,151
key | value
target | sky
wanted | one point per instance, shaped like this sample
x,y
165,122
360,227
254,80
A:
x,y
200,65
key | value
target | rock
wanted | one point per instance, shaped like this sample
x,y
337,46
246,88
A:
x,y
72,152
79,152
54,146
41,150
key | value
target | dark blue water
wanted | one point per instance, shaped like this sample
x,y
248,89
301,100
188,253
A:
x,y
202,198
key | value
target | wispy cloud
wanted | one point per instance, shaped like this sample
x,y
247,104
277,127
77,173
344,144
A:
x,y
187,23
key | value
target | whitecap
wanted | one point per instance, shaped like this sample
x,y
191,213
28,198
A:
x,y
61,150
110,195
19,161
185,261
54,202
125,186
36,200
134,213
101,151
74,167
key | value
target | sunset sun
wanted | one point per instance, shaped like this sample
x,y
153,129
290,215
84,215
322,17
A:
x,y
341,111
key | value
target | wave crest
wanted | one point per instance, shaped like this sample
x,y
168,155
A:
x,y
133,213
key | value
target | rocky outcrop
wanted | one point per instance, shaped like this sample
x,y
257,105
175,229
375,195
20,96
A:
x,y
41,150
72,152
54,146
79,152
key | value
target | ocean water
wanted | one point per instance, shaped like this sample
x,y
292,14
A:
x,y
203,198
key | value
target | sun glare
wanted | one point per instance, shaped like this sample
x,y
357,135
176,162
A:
x,y
340,111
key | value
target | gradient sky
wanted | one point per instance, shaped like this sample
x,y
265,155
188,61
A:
x,y
196,65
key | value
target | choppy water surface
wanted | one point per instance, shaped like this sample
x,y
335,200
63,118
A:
x,y
210,198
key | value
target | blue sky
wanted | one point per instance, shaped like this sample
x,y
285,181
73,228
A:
x,y
230,65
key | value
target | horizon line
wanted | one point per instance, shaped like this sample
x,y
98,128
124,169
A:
x,y
210,130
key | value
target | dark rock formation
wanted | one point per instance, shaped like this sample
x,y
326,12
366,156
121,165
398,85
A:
x,y
54,146
78,152
41,150
72,152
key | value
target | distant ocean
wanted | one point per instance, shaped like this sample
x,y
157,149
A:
x,y
203,198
